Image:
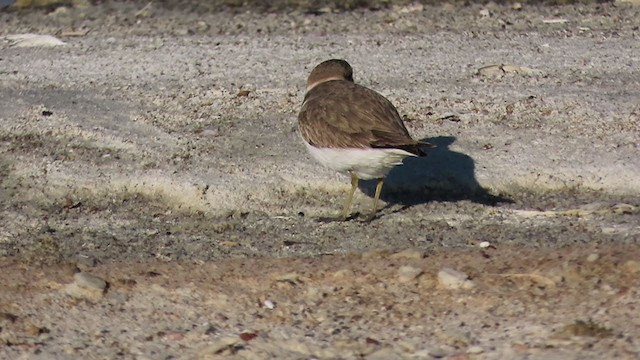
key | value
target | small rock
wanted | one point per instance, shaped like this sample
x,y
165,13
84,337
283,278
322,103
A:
x,y
408,273
391,18
202,26
87,286
485,13
117,298
269,304
409,9
406,25
343,274
87,260
90,281
593,257
484,244
454,279
475,350
421,354
210,132
248,87
632,267
174,336
248,336
437,353
182,32
372,341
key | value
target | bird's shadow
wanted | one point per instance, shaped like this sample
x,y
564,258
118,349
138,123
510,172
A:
x,y
443,175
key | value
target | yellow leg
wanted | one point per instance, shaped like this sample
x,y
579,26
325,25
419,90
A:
x,y
376,198
347,204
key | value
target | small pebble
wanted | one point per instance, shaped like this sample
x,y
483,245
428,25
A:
x,y
201,26
593,257
182,32
437,353
174,336
454,279
343,274
484,244
408,273
632,267
475,350
87,286
87,260
269,304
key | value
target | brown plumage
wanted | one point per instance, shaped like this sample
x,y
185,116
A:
x,y
339,113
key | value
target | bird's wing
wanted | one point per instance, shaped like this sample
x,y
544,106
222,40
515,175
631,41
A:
x,y
339,114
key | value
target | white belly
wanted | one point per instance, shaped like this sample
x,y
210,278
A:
x,y
365,163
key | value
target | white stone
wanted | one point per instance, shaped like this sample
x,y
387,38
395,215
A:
x,y
454,279
408,273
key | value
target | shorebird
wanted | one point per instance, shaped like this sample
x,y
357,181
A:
x,y
352,129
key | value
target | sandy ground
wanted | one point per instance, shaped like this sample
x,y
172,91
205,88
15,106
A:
x,y
157,151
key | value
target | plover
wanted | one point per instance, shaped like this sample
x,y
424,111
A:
x,y
352,129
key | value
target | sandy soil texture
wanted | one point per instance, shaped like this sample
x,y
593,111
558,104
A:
x,y
156,201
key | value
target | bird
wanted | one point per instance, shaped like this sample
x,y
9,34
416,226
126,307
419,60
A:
x,y
352,129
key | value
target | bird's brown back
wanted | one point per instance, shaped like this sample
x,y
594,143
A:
x,y
342,114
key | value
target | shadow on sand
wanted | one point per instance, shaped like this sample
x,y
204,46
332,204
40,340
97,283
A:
x,y
443,175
